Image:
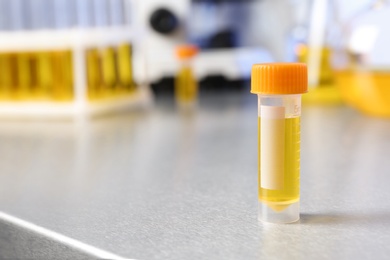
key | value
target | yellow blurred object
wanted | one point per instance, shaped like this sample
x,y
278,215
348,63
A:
x,y
368,91
45,74
325,92
36,75
94,77
325,73
125,67
63,74
324,95
61,68
48,75
110,72
6,79
24,75
186,86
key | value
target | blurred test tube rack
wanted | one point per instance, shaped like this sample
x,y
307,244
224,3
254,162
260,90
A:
x,y
62,58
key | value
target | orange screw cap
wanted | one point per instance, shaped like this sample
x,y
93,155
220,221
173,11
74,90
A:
x,y
279,78
186,51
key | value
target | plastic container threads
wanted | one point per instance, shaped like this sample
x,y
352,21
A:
x,y
279,87
186,86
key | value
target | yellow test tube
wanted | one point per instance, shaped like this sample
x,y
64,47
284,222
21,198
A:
x,y
279,87
325,90
125,67
109,70
45,74
325,72
62,75
24,75
186,86
6,75
94,78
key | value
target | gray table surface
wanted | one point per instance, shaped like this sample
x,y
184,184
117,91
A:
x,y
165,185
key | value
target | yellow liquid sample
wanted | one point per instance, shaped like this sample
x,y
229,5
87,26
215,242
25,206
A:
x,y
54,75
48,74
62,75
7,81
325,92
125,67
94,75
39,74
278,200
45,74
24,75
325,73
109,72
186,87
366,90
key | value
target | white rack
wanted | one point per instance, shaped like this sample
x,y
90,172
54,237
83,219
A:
x,y
77,40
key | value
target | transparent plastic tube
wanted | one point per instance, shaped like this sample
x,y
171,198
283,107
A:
x,y
279,157
186,86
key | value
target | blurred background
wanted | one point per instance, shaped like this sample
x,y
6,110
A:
x,y
77,53
343,43
136,115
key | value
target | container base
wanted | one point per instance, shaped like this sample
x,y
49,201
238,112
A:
x,y
278,213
